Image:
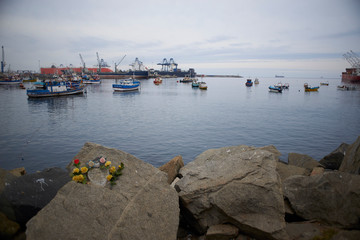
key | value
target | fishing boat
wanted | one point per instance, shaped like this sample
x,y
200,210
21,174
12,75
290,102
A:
x,y
275,89
54,88
126,85
195,83
256,81
203,86
158,80
308,88
346,88
91,79
324,83
187,79
248,83
285,86
10,80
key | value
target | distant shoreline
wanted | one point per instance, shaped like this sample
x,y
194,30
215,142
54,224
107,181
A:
x,y
230,76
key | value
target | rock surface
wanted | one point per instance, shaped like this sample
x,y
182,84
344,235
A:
x,y
237,185
334,159
141,205
304,161
172,168
332,198
222,232
351,161
24,196
286,170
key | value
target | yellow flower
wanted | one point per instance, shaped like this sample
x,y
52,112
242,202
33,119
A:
x,y
84,170
109,177
107,163
119,166
76,170
112,170
80,178
74,178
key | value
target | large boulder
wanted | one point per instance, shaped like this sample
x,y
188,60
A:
x,y
351,161
285,170
24,196
304,161
332,198
237,185
141,205
334,159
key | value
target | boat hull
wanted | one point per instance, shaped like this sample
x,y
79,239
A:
x,y
121,89
350,76
46,93
92,81
10,82
315,89
275,89
126,86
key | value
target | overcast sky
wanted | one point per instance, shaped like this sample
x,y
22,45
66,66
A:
x,y
245,37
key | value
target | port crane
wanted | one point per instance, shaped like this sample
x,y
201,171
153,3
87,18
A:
x,y
168,65
83,63
353,59
101,63
3,60
137,65
117,64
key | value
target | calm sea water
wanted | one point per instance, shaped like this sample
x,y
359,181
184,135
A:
x,y
160,122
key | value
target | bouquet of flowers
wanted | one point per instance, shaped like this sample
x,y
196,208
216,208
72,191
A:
x,y
114,173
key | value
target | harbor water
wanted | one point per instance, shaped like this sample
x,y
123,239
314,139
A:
x,y
159,122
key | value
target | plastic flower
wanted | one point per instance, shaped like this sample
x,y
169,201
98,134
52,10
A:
x,y
112,170
119,166
109,177
91,164
108,163
76,170
102,160
76,161
80,178
84,170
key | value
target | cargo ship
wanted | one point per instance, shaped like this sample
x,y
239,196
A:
x,y
170,69
351,75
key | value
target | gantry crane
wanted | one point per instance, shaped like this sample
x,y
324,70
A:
x,y
117,64
3,60
353,59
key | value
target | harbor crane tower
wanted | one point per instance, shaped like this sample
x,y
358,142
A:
x,y
353,59
168,66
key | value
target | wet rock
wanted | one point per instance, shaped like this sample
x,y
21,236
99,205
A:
x,y
141,205
237,185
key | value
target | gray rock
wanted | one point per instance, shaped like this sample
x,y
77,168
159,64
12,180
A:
x,y
304,161
172,168
222,232
141,205
24,196
237,185
351,161
332,198
286,170
334,159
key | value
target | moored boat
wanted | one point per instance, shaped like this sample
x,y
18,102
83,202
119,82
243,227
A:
x,y
275,89
126,85
203,85
195,84
256,81
188,79
91,79
158,80
54,88
324,83
10,80
308,88
248,83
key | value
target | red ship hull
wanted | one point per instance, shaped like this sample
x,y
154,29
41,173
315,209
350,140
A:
x,y
350,76
59,71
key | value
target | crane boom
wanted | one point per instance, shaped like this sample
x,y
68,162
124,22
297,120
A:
x,y
99,63
83,63
2,60
117,64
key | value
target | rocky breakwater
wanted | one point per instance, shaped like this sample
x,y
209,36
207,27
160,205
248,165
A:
x,y
141,205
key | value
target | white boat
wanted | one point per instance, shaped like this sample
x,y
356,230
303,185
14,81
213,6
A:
x,y
10,80
275,89
202,85
256,81
126,85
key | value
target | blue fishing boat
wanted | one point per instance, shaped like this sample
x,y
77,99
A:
x,y
91,79
249,83
275,89
126,85
10,80
54,89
